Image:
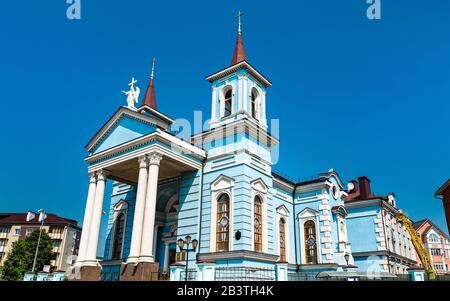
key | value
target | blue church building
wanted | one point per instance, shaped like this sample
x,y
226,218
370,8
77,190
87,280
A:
x,y
210,207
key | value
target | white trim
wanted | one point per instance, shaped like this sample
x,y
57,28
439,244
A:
x,y
236,67
135,154
117,117
120,207
224,90
283,213
305,215
222,182
171,202
215,197
264,234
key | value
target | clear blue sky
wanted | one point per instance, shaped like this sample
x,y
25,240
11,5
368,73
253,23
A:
x,y
363,97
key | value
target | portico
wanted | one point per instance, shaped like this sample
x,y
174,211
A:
x,y
142,163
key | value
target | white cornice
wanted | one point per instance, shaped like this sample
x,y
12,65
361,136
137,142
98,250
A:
x,y
114,121
242,125
242,65
158,135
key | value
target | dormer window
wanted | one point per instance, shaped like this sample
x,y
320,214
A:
x,y
254,103
228,102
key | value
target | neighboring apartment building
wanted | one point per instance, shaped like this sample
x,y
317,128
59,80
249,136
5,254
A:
x,y
379,243
437,244
65,234
443,193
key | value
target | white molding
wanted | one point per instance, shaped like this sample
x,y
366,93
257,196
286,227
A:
x,y
263,196
286,234
305,215
115,120
171,202
260,186
120,207
222,182
241,65
214,198
135,154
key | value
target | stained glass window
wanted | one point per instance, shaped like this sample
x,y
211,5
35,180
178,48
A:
x,y
223,223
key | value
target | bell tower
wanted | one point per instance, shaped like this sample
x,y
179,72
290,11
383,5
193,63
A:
x,y
238,91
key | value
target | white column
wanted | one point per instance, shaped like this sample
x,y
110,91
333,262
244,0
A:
x,y
263,108
146,254
139,208
87,217
91,254
166,257
240,93
155,239
214,104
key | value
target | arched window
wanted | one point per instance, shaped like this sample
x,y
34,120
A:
x,y
228,105
254,103
433,238
223,223
310,242
282,234
258,233
118,236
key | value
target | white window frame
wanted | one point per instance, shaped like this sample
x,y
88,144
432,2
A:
x,y
119,207
223,91
305,215
222,184
283,213
259,188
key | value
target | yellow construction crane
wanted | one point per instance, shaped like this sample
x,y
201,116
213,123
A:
x,y
418,244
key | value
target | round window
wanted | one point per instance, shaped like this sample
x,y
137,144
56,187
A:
x,y
335,192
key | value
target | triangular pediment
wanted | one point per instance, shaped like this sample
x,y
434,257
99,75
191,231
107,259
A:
x,y
283,210
259,185
308,213
221,183
125,125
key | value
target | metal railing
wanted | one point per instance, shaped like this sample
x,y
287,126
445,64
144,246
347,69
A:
x,y
192,275
244,274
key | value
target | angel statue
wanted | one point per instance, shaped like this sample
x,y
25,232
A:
x,y
133,94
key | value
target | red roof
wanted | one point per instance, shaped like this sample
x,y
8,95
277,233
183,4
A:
x,y
239,51
21,219
150,97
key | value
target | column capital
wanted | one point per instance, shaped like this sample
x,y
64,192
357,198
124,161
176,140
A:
x,y
143,163
154,158
92,177
102,175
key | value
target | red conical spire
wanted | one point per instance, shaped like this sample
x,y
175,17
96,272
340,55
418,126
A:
x,y
150,97
239,51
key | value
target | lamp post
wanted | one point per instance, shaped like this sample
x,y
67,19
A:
x,y
186,242
42,217
347,258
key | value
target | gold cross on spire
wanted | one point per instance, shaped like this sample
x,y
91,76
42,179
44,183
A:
x,y
153,68
239,21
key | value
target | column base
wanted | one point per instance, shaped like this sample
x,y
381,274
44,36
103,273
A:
x,y
88,273
142,271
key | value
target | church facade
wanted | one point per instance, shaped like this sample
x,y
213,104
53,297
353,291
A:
x,y
209,208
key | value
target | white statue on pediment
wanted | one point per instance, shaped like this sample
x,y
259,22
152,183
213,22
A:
x,y
132,94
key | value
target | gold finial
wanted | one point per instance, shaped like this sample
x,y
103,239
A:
x,y
153,68
239,21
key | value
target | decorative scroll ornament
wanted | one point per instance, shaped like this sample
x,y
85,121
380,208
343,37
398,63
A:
x,y
133,94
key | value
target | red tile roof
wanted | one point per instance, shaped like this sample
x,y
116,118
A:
x,y
21,219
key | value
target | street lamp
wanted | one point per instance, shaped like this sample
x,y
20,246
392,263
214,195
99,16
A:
x,y
347,258
186,242
42,217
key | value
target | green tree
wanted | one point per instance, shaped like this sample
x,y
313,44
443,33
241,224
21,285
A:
x,y
20,258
